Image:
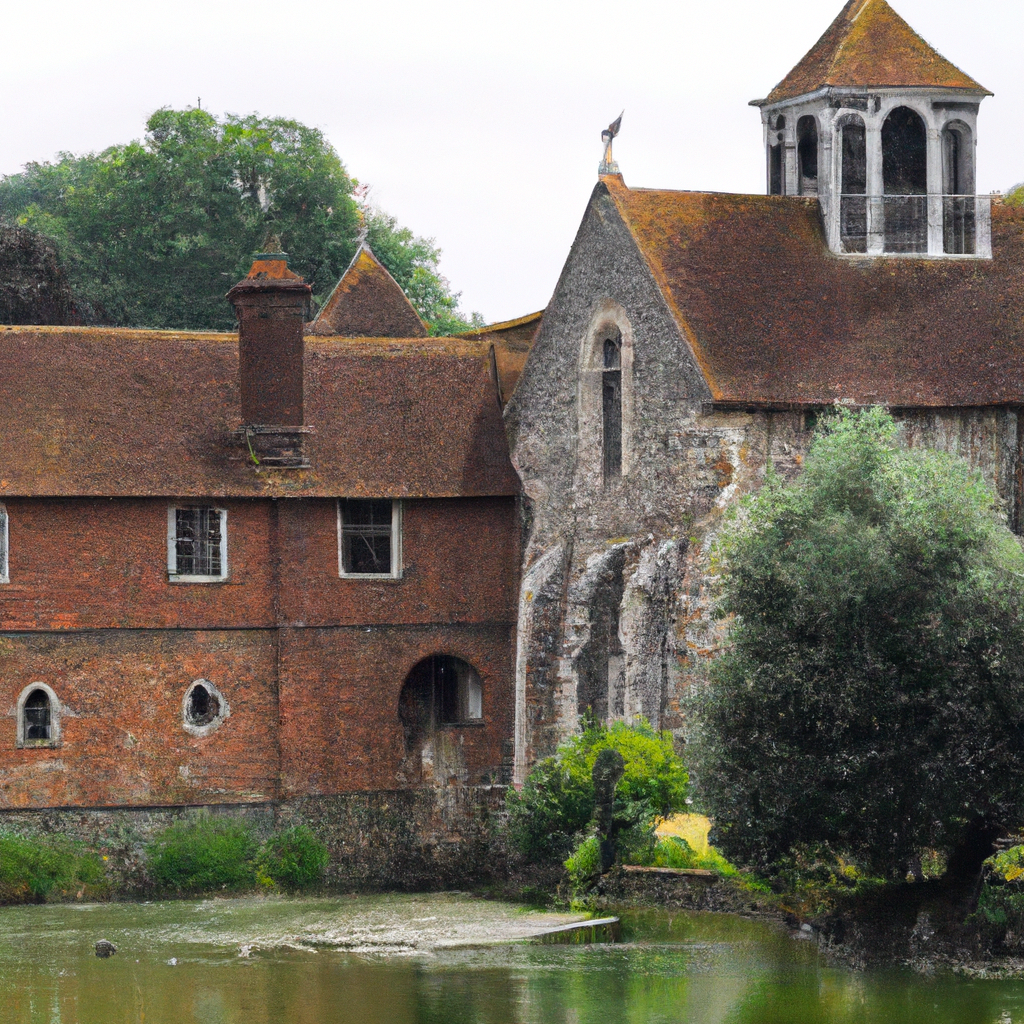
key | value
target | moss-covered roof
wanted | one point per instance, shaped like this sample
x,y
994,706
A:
x,y
867,45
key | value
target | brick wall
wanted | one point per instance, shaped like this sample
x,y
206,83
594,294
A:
x,y
311,665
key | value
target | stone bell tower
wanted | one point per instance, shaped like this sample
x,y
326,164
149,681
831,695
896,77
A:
x,y
883,130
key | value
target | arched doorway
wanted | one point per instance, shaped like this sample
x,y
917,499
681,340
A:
x,y
905,180
439,692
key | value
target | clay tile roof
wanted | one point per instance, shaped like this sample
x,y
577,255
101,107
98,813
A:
x,y
772,317
113,412
869,44
368,303
512,341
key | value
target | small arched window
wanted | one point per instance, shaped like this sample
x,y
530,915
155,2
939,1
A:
x,y
611,407
5,574
38,717
203,708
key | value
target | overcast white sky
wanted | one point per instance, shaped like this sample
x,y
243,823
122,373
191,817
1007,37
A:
x,y
475,123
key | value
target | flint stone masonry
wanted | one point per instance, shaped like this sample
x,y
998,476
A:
x,y
615,611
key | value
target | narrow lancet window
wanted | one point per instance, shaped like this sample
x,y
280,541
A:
x,y
611,407
853,205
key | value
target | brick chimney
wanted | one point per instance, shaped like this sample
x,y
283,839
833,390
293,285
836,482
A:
x,y
271,304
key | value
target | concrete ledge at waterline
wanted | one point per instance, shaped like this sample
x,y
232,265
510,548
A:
x,y
603,929
669,872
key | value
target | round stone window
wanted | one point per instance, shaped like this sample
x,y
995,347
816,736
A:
x,y
203,708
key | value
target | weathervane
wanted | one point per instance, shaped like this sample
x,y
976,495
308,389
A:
x,y
608,165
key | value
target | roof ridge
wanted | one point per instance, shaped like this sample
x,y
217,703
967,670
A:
x,y
661,280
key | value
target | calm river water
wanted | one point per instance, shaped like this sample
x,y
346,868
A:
x,y
414,959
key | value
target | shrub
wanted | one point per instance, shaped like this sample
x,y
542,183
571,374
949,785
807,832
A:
x,y
1002,896
201,854
293,859
557,801
676,852
584,863
52,868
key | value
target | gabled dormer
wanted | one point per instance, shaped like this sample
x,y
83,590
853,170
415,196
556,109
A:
x,y
883,130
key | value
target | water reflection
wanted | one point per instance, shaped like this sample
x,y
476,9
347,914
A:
x,y
698,969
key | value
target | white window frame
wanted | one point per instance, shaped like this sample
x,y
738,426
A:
x,y
5,567
172,548
55,710
396,544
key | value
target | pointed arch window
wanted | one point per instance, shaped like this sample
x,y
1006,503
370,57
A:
x,y
606,399
611,407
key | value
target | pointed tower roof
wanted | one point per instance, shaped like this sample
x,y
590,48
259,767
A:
x,y
368,303
869,44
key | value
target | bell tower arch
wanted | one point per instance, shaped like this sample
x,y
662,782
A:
x,y
883,131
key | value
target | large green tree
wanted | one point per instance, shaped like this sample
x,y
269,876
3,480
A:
x,y
870,697
153,233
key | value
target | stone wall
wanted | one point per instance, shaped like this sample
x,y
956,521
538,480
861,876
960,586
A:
x,y
430,838
615,610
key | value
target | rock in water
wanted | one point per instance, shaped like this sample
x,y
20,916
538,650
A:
x,y
105,948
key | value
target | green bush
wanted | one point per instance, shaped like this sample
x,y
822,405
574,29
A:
x,y
556,803
1002,895
202,854
293,859
584,863
53,868
676,852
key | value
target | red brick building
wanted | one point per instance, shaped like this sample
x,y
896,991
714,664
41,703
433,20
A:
x,y
238,578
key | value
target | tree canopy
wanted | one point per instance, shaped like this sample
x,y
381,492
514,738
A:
x,y
870,697
153,233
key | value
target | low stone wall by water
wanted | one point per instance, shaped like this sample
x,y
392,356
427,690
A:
x,y
412,840
677,890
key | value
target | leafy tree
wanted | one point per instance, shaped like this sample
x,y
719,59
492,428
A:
x,y
557,800
871,696
1015,197
153,233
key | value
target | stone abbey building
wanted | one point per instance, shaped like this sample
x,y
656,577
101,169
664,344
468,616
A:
x,y
337,557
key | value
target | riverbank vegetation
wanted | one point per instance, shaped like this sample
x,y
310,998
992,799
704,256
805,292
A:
x,y
198,856
208,854
49,869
